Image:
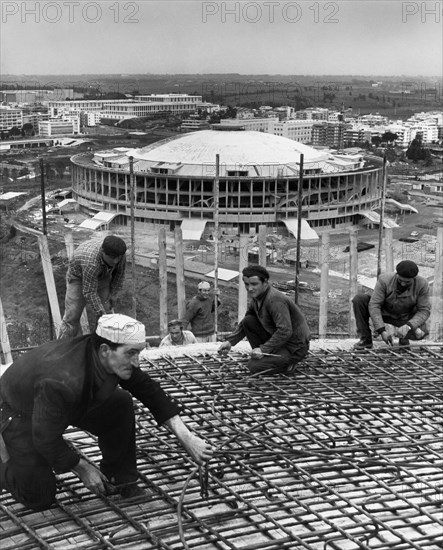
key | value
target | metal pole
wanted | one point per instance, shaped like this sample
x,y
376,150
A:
x,y
382,215
216,243
42,186
132,195
298,250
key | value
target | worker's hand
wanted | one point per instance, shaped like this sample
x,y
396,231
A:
x,y
387,338
403,330
91,476
224,348
197,448
256,353
419,334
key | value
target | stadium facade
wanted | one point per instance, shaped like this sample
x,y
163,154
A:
x,y
258,177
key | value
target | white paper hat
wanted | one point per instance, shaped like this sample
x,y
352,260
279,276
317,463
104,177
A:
x,y
204,285
121,329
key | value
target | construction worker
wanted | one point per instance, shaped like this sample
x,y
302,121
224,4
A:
x,y
400,299
75,382
95,275
273,324
200,313
177,336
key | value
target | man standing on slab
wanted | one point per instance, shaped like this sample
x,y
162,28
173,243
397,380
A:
x,y
273,324
95,275
200,313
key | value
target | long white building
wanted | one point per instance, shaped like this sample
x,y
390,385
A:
x,y
122,109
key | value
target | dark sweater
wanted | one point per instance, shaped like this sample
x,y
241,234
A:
x,y
281,317
52,386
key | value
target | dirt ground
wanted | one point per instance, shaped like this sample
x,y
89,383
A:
x,y
25,302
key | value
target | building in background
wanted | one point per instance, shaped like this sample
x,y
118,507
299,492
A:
x,y
10,118
328,134
58,127
258,183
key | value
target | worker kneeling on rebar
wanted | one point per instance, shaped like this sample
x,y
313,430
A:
x,y
75,382
273,324
400,299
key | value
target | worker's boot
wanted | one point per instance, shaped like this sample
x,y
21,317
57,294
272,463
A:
x,y
363,343
403,342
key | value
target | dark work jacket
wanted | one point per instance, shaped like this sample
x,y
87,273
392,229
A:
x,y
412,306
280,317
52,387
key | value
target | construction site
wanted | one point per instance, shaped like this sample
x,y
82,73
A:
x,y
344,452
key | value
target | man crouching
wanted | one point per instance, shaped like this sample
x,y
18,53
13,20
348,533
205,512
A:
x,y
87,382
273,324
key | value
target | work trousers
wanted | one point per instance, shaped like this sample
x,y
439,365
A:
x,y
31,480
75,303
257,335
360,304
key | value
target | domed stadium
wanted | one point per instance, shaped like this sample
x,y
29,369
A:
x,y
257,174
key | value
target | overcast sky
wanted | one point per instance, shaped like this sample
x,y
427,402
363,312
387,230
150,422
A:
x,y
268,37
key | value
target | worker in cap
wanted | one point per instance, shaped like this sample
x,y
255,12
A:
x,y
400,299
200,313
95,275
177,336
273,324
88,382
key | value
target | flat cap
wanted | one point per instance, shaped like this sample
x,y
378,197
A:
x,y
407,268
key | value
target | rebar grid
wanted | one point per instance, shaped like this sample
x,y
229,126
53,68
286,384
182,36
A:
x,y
344,454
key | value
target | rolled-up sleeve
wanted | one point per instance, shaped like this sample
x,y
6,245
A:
x,y
90,287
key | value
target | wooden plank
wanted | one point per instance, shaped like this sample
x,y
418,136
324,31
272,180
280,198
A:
x,y
262,245
180,272
389,250
324,286
50,282
353,282
436,320
6,347
163,276
69,243
243,262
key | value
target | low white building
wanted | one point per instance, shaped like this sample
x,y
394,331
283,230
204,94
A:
x,y
58,127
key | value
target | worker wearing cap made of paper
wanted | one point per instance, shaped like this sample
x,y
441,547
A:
x,y
273,324
200,313
400,299
95,275
87,382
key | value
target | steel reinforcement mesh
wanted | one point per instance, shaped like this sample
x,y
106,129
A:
x,y
345,453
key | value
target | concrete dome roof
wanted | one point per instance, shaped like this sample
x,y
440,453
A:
x,y
236,148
